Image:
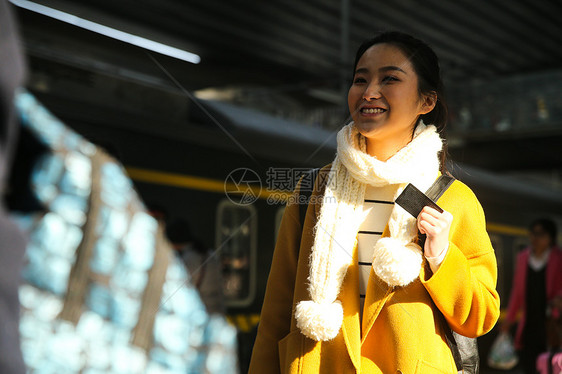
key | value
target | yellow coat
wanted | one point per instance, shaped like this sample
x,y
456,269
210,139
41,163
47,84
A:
x,y
400,332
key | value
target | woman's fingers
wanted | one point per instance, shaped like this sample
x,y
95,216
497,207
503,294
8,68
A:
x,y
431,229
431,221
427,220
436,226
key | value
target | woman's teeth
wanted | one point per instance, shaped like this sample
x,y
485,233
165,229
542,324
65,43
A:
x,y
372,110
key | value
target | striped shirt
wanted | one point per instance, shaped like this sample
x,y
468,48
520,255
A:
x,y
379,202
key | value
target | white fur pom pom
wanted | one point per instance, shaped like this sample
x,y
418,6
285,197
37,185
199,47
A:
x,y
395,263
320,322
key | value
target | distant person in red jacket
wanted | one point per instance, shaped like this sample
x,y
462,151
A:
x,y
536,292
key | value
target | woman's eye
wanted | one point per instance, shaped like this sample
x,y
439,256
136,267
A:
x,y
359,80
389,78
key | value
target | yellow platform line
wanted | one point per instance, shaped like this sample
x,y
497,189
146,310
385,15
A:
x,y
505,229
213,185
243,322
197,183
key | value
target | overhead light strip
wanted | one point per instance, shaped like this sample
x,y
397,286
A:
x,y
110,32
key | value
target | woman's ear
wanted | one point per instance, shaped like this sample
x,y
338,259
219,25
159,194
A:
x,y
428,103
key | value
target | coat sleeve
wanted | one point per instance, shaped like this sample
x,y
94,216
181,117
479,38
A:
x,y
277,309
464,286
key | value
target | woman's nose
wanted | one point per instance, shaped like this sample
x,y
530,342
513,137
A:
x,y
372,92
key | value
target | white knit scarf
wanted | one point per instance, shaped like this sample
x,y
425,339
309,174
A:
x,y
397,259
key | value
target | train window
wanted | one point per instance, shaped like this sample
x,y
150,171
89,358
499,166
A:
x,y
235,239
278,218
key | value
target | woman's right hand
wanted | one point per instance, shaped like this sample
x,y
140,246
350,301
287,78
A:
x,y
436,226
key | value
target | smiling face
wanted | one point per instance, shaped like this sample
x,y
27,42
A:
x,y
384,99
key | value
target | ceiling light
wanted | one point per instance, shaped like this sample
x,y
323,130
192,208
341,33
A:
x,y
110,32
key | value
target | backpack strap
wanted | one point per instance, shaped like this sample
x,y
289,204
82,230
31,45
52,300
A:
x,y
439,187
464,349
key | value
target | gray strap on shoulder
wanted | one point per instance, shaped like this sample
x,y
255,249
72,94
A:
x,y
439,187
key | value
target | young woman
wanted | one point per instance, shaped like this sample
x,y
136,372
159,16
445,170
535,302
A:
x,y
537,288
350,290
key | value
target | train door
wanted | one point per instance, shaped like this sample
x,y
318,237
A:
x,y
236,242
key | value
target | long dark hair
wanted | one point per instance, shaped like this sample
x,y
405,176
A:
x,y
426,65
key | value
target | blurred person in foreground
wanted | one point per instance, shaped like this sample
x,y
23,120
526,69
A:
x,y
536,294
12,244
116,302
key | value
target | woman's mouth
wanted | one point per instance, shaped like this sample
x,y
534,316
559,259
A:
x,y
372,111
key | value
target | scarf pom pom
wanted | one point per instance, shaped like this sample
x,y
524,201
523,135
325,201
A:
x,y
320,322
395,263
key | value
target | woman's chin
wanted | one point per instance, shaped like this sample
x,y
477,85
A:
x,y
368,128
